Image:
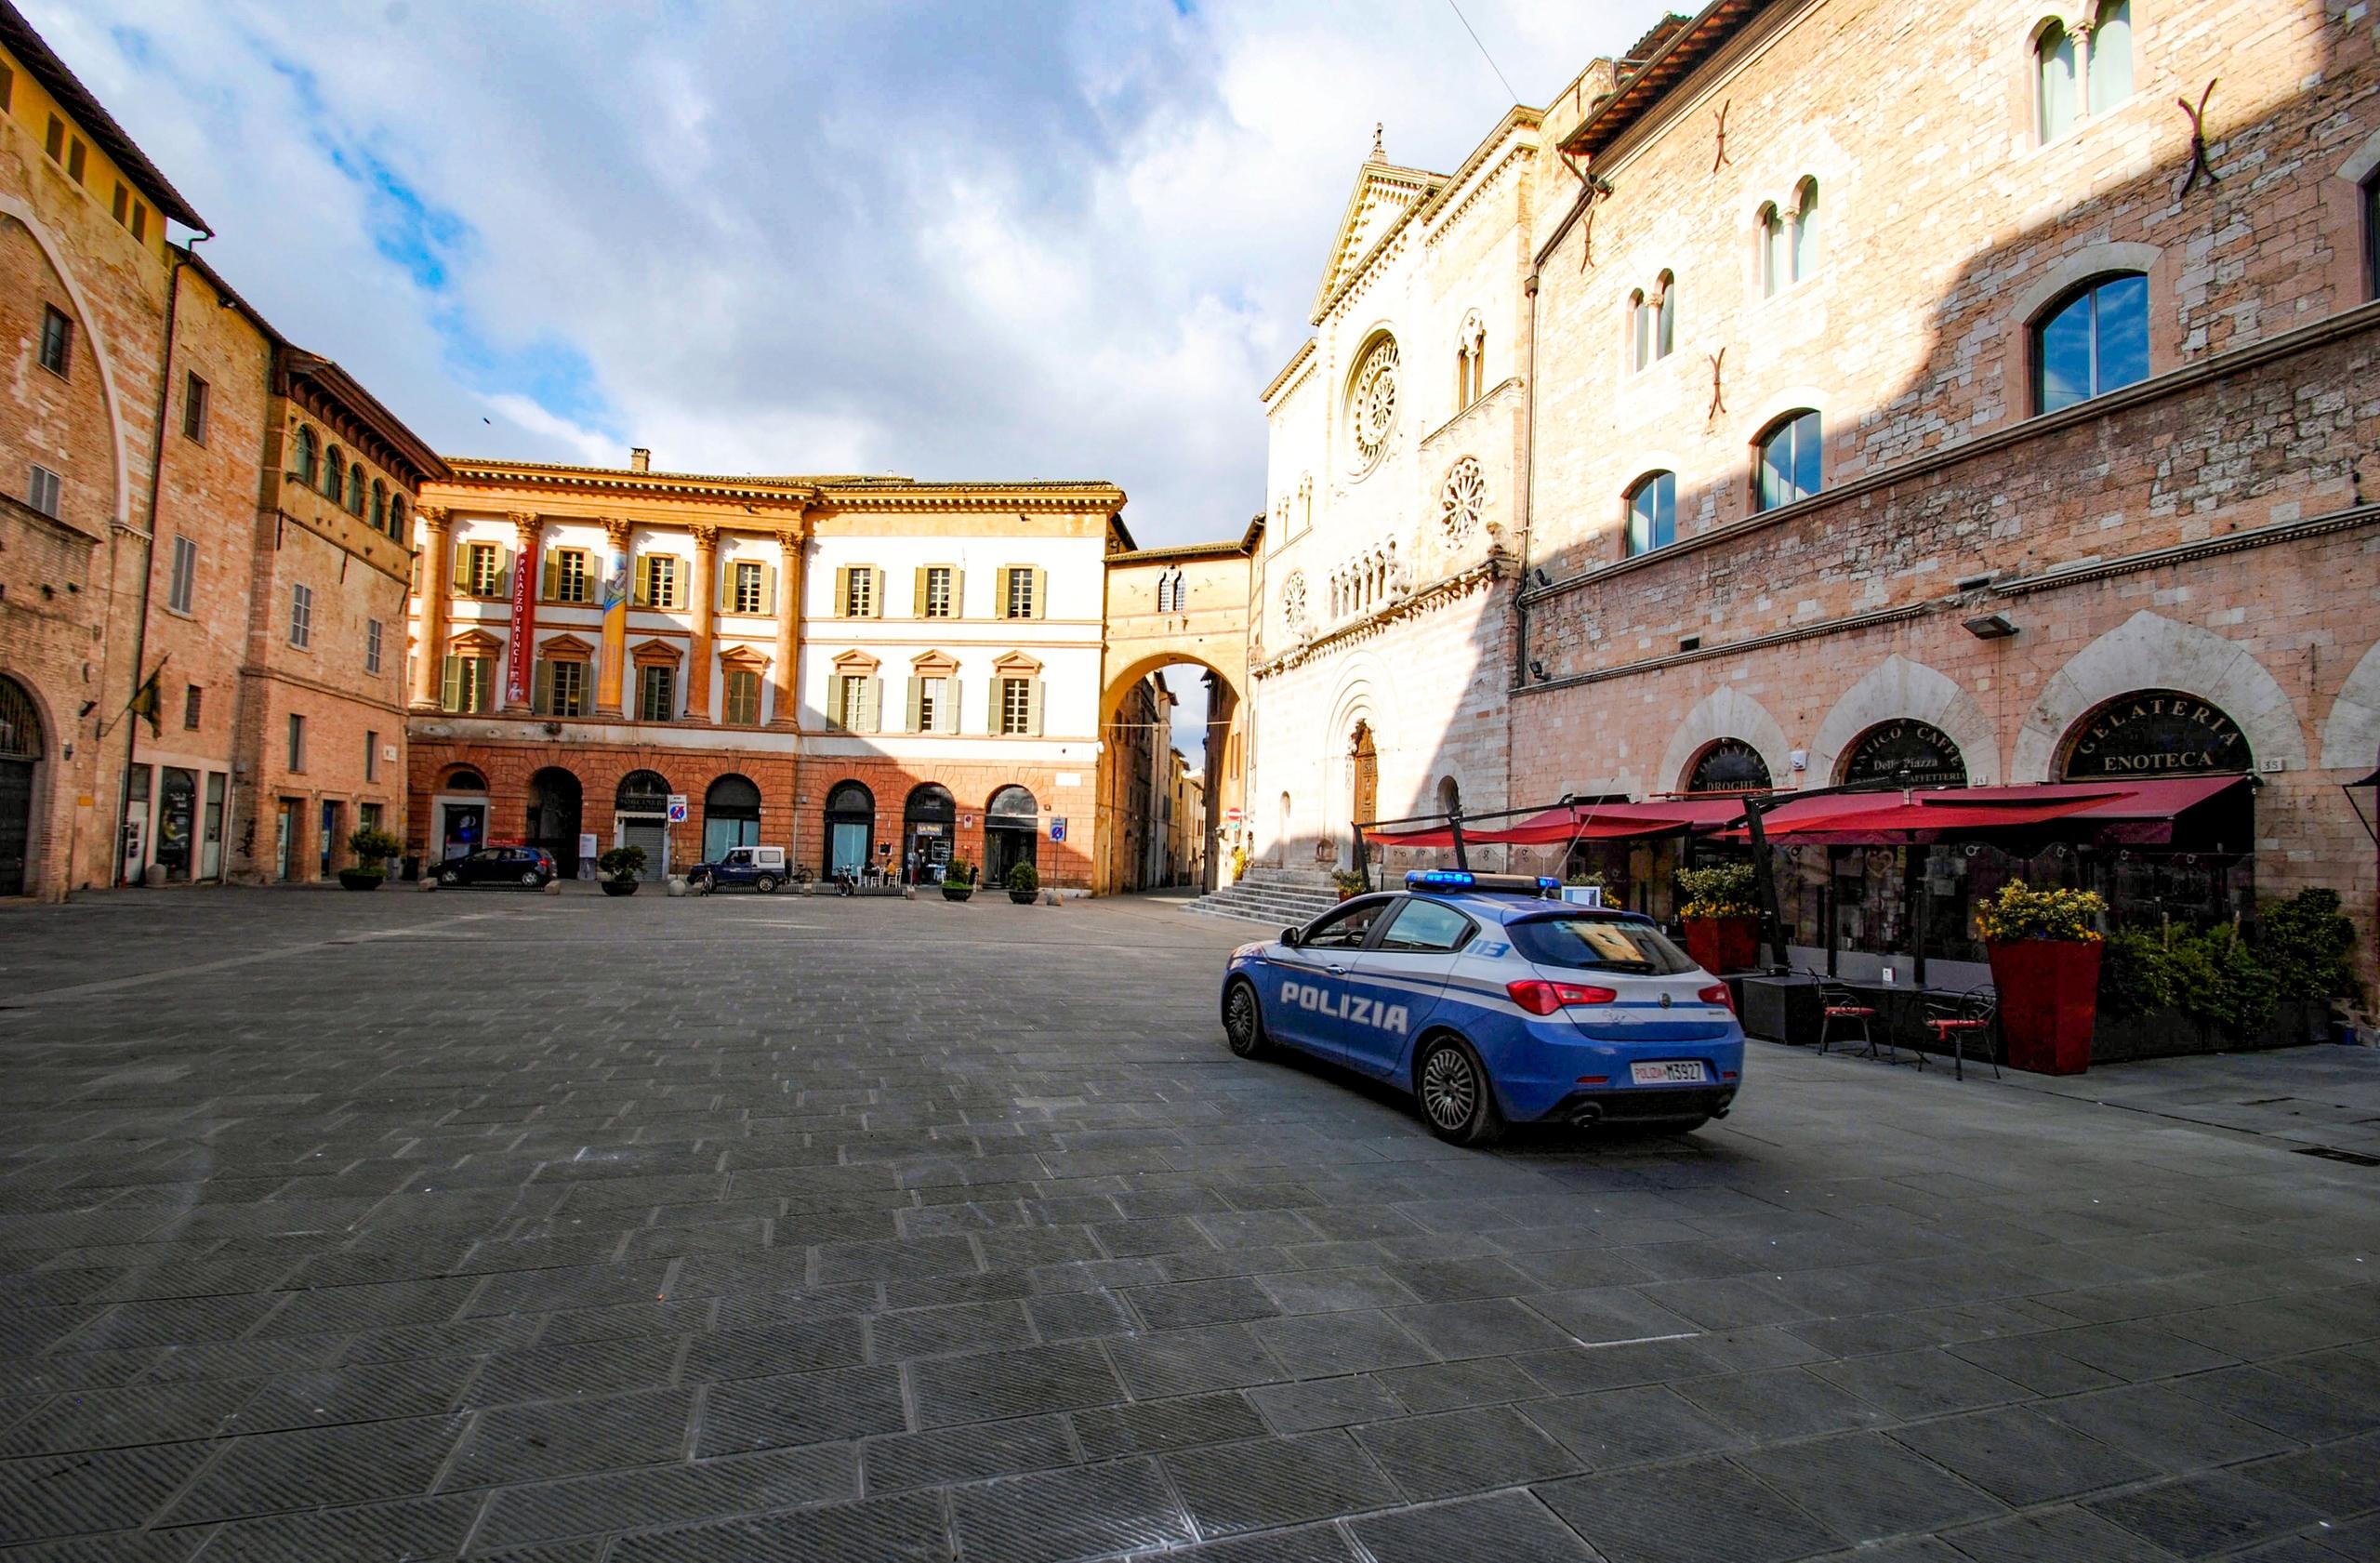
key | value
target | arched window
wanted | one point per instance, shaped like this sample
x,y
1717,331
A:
x,y
2111,61
2372,234
2092,340
1775,254
1640,330
1805,231
1470,359
1789,461
397,516
2054,82
462,778
355,489
303,463
380,506
1652,513
1450,796
642,792
1665,327
335,477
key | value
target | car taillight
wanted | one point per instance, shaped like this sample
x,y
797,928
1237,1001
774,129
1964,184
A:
x,y
1543,997
1717,993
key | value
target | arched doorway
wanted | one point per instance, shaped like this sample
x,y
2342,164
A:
x,y
460,807
1363,776
731,816
1011,833
1730,765
928,824
21,757
640,818
556,802
1908,753
850,829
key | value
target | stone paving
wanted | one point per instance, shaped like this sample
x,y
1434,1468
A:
x,y
557,1228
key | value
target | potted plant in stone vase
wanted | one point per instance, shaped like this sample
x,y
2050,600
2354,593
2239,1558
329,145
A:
x,y
1349,882
618,869
373,847
1722,927
2045,947
958,879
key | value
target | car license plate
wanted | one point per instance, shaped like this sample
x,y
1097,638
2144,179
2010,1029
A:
x,y
1668,1072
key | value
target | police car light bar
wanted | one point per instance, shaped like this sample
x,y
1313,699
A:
x,y
1463,878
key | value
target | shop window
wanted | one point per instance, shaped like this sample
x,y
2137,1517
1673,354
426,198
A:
x,y
742,688
42,490
301,615
2155,733
937,591
2110,65
193,698
1652,513
371,632
850,829
731,816
656,694
1789,458
2053,72
1905,754
57,339
197,404
567,574
467,685
181,585
296,742
2093,340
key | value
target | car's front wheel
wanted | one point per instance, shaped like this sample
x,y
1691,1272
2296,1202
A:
x,y
1455,1094
533,879
1244,1022
451,876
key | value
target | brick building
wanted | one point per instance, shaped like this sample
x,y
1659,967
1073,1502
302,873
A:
x,y
873,673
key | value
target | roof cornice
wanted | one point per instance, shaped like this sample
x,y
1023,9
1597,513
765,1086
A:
x,y
1304,352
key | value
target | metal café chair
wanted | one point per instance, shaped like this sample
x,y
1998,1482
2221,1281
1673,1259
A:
x,y
1954,1020
1840,1005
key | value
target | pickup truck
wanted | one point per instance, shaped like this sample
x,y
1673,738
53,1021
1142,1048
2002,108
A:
x,y
761,867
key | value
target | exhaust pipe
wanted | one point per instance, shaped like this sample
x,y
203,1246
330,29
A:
x,y
1587,1117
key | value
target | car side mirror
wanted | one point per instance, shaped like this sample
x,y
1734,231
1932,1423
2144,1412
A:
x,y
1289,936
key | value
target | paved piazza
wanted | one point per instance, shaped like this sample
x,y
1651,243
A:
x,y
553,1227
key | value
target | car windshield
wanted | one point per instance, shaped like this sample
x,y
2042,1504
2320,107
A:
x,y
1599,944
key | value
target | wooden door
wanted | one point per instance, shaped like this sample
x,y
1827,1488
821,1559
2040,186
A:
x,y
1367,776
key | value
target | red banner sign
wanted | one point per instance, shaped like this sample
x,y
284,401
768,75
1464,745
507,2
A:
x,y
518,665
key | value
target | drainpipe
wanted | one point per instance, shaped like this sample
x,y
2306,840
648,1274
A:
x,y
149,538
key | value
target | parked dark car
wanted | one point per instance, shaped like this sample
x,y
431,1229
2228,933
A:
x,y
529,867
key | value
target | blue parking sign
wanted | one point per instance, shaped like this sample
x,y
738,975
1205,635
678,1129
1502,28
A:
x,y
1057,828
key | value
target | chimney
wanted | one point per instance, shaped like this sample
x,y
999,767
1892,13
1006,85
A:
x,y
640,459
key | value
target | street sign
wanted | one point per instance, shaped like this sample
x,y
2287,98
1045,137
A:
x,y
1231,816
677,808
1057,828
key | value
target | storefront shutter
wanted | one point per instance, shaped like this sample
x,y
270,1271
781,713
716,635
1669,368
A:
x,y
450,684
1033,708
542,689
917,596
1041,606
917,706
546,576
768,589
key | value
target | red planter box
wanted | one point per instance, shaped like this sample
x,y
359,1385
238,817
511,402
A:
x,y
2049,1002
1723,944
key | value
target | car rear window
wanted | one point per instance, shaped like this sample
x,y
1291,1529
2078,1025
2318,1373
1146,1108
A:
x,y
1598,943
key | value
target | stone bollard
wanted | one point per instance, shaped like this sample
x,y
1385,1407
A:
x,y
909,892
553,887
677,885
1050,898
427,881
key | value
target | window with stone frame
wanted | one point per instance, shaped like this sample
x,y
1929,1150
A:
x,y
296,742
657,693
859,592
937,592
1652,512
372,638
2056,73
743,698
301,615
484,570
192,698
657,581
57,339
2372,234
561,687
182,586
1020,593
1016,707
467,684
2108,60
851,703
569,576
2092,340
744,586
43,490
357,489
1791,461
335,476
196,397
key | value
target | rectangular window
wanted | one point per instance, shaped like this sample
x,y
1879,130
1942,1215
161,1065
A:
x,y
139,220
743,697
850,712
181,590
8,88
120,208
57,339
859,592
42,493
744,595
296,742
657,575
1016,707
371,645
301,615
570,577
1017,596
54,142
194,408
75,151
656,694
933,705
191,695
484,570
468,685
565,689
937,593
371,755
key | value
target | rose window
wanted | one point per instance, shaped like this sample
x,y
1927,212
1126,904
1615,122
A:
x,y
1372,407
1293,597
1461,498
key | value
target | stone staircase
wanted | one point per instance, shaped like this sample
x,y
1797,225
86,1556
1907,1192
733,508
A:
x,y
1273,896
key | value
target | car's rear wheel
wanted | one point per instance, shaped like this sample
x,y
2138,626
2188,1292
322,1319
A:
x,y
532,878
1244,1021
765,883
1454,1093
451,876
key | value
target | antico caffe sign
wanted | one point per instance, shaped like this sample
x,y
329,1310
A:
x,y
1912,753
2156,733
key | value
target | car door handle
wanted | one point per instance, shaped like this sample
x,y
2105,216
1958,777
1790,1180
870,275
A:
x,y
1336,970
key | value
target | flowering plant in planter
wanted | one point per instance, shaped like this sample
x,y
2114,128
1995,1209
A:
x,y
2045,946
1722,928
1349,882
2021,913
1722,890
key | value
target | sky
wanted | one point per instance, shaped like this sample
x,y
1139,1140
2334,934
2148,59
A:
x,y
981,239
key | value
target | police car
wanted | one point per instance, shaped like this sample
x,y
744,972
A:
x,y
1493,1005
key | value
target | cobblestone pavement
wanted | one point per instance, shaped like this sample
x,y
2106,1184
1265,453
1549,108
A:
x,y
343,1226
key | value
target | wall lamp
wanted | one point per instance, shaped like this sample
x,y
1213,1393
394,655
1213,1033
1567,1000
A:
x,y
1992,626
1537,671
1542,578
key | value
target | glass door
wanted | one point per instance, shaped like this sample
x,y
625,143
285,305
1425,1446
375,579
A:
x,y
210,840
329,843
284,842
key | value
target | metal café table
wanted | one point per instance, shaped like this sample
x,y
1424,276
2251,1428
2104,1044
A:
x,y
1789,1009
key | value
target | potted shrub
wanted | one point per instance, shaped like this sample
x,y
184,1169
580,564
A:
x,y
1024,884
2309,946
1349,882
373,847
2045,950
1722,928
618,869
958,879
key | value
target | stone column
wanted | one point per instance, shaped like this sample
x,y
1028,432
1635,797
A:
x,y
611,671
528,528
706,603
430,651
782,676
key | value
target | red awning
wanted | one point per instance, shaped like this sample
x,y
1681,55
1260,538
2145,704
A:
x,y
2134,811
1581,822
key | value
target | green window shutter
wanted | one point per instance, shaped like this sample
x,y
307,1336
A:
x,y
872,695
957,603
992,709
946,712
917,706
503,571
542,691
457,570
1033,709
546,572
721,572
842,590
768,589
640,582
450,684
918,594
835,703
876,593
682,584
1040,600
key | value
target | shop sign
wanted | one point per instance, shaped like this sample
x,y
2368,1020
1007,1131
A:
x,y
1908,753
1730,765
926,829
2156,733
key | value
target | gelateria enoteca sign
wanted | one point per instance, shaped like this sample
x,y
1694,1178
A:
x,y
2156,733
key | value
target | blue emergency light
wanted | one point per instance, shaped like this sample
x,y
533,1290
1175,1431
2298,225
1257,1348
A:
x,y
1463,878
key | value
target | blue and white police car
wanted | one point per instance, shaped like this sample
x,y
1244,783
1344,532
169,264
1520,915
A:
x,y
1493,1005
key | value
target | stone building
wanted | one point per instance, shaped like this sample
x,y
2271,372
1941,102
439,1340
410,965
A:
x,y
872,671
